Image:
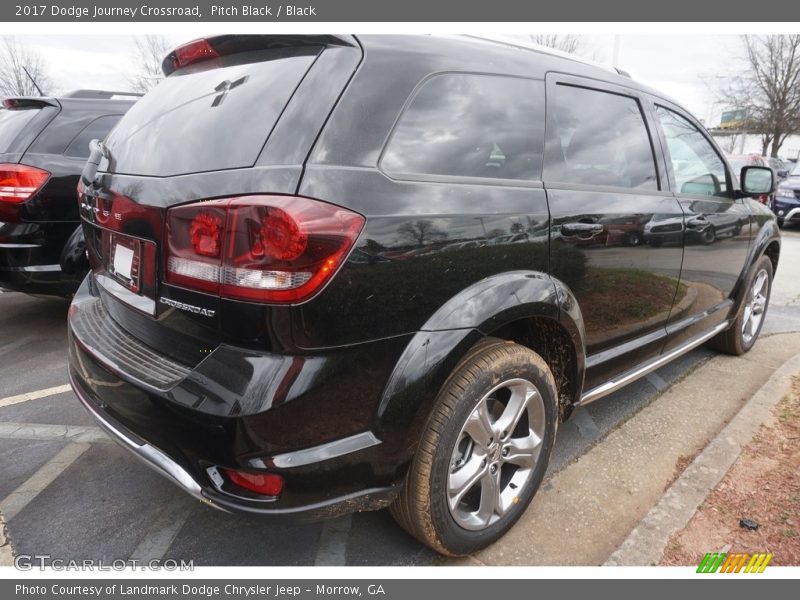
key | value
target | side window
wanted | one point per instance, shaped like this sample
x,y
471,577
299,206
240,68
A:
x,y
697,167
598,138
468,125
97,129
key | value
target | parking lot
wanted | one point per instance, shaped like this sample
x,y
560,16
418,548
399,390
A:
x,y
69,493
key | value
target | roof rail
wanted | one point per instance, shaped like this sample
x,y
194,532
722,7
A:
x,y
525,45
99,94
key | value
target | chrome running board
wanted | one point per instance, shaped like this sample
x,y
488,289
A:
x,y
659,361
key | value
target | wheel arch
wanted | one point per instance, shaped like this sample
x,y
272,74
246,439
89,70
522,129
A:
x,y
766,243
526,307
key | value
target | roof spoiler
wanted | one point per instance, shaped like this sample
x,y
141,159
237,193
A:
x,y
210,48
29,102
100,94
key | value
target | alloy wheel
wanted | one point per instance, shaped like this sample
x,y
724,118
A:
x,y
756,306
495,454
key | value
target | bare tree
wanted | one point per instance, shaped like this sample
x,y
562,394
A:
x,y
769,88
15,59
150,52
573,44
421,231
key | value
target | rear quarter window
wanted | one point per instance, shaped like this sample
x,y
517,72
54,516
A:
x,y
96,130
470,125
12,123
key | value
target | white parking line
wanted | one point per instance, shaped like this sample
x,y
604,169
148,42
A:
x,y
163,530
41,431
12,504
60,389
332,547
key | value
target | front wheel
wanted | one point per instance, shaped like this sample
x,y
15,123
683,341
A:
x,y
483,452
633,239
743,333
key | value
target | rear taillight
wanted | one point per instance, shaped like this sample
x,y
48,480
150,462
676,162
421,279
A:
x,y
191,53
274,249
20,182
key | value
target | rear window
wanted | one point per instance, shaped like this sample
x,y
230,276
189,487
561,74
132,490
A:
x,y
12,122
214,117
469,125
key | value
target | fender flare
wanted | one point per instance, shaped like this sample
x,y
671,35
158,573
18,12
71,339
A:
x,y
444,340
768,234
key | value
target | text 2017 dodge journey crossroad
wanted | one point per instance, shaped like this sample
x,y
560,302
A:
x,y
333,274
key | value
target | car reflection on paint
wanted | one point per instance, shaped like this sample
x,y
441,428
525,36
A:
x,y
699,227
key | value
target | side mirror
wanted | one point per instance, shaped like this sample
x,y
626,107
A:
x,y
757,181
783,174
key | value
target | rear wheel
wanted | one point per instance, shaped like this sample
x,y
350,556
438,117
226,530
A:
x,y
483,452
742,335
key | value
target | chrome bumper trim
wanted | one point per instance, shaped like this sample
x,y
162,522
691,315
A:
x,y
327,451
34,269
149,455
791,214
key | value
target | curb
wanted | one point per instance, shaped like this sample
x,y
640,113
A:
x,y
646,543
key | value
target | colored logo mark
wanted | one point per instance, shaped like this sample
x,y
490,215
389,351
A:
x,y
724,562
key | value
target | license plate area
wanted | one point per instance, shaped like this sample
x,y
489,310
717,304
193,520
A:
x,y
130,262
125,261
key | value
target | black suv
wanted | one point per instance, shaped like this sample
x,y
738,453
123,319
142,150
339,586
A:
x,y
44,144
335,274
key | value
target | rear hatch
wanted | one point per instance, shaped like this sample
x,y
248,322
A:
x,y
236,115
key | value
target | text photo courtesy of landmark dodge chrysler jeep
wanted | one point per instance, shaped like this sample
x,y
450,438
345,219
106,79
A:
x,y
333,290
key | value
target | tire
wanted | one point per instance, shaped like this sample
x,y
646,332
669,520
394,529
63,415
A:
x,y
743,333
709,236
457,446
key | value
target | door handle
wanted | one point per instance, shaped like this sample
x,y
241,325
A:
x,y
583,230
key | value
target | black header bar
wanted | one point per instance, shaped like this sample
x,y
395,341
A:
x,y
465,11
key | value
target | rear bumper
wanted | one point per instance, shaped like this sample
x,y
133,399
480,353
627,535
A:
x,y
30,258
336,462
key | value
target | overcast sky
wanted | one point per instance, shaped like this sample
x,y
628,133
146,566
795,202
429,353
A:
x,y
687,67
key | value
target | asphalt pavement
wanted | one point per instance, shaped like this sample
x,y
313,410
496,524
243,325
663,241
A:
x,y
68,492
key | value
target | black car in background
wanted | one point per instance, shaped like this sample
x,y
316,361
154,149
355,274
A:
x,y
44,144
333,274
786,203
